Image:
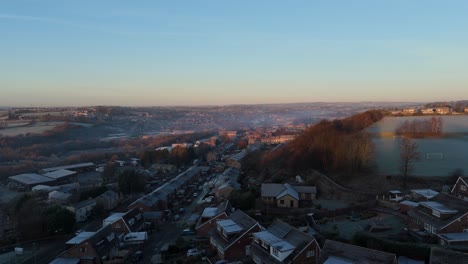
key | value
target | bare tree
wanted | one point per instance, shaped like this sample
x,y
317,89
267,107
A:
x,y
408,155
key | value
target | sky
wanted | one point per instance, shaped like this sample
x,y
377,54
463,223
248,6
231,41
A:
x,y
211,52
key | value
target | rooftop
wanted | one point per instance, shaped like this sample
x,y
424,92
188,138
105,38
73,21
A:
x,y
353,254
229,226
59,174
454,236
80,238
69,167
443,256
426,193
114,217
209,212
31,178
438,207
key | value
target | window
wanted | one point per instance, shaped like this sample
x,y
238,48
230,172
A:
x,y
310,253
265,245
117,225
281,201
83,249
308,196
275,252
463,187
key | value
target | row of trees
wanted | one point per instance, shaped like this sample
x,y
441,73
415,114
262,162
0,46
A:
x,y
420,128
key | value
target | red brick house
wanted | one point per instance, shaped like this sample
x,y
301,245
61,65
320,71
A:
x,y
124,223
232,235
443,214
92,247
337,252
282,243
210,215
460,189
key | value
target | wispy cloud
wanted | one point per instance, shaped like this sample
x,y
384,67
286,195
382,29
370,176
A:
x,y
98,28
33,18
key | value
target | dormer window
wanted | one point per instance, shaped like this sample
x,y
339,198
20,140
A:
x,y
275,252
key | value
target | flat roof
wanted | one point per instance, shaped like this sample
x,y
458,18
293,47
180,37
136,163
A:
x,y
69,167
283,246
268,237
409,203
30,178
80,238
230,226
114,217
209,212
59,174
438,207
455,236
427,193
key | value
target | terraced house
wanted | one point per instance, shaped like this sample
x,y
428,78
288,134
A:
x,y
232,236
282,243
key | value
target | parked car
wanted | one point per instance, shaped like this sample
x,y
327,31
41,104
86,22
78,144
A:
x,y
195,194
176,217
193,252
182,210
188,232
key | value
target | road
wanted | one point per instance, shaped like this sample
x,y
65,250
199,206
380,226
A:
x,y
168,233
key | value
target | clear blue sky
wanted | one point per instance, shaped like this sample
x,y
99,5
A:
x,y
224,52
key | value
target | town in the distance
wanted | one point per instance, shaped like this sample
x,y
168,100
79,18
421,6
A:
x,y
318,183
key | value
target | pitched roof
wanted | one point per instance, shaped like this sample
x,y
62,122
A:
x,y
239,223
104,240
133,219
288,190
212,212
84,203
279,190
443,256
284,237
109,195
355,254
446,203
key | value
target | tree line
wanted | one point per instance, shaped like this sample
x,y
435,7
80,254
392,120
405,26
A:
x,y
421,128
340,145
